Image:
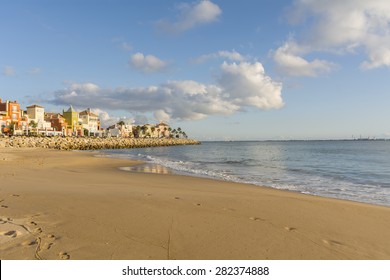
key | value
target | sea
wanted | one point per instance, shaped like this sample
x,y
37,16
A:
x,y
351,170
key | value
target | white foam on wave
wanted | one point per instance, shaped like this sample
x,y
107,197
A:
x,y
307,183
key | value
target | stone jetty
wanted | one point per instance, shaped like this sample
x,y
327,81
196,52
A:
x,y
87,143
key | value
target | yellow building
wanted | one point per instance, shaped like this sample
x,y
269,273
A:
x,y
72,119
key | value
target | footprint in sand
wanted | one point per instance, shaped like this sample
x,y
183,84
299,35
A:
x,y
29,242
33,223
289,228
148,194
64,256
256,219
332,242
197,204
10,233
46,246
15,195
4,206
176,197
5,220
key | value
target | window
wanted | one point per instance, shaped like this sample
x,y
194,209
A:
x,y
14,108
14,116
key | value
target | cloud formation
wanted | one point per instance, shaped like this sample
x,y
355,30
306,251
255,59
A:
x,y
230,55
192,15
239,85
147,64
107,120
333,26
291,64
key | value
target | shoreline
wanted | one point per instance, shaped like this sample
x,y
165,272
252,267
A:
x,y
148,166
69,205
145,167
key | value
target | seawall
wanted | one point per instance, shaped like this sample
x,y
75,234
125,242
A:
x,y
80,143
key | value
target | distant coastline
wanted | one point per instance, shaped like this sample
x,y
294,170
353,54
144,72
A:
x,y
301,140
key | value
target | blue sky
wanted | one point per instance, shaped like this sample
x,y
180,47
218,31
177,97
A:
x,y
221,70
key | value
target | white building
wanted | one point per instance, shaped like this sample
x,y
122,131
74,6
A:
x,y
163,130
90,122
36,114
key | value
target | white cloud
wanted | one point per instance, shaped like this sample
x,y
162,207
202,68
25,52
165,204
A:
x,y
8,71
247,85
192,15
292,64
378,54
239,86
148,63
85,87
230,55
161,116
107,120
339,27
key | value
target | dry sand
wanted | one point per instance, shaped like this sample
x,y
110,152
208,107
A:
x,y
75,205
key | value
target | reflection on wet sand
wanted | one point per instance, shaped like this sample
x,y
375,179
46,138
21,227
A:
x,y
148,168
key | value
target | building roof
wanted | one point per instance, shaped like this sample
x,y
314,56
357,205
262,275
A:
x,y
88,112
51,115
34,106
71,110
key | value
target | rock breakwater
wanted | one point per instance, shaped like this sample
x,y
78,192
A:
x,y
75,143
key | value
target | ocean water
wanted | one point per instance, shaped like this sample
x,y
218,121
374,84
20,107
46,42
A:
x,y
352,170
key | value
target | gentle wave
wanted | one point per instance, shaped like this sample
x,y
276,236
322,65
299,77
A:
x,y
351,173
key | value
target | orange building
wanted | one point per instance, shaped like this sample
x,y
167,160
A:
x,y
58,122
10,116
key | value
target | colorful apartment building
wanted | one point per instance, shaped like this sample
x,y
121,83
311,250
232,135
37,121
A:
x,y
74,126
163,130
90,122
10,116
36,114
57,121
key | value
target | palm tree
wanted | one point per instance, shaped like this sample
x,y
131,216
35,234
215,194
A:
x,y
136,131
11,128
144,128
34,125
165,131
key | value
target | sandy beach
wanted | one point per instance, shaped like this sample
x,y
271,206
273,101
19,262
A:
x,y
78,205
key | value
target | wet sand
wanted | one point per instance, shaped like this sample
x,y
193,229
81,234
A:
x,y
76,205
